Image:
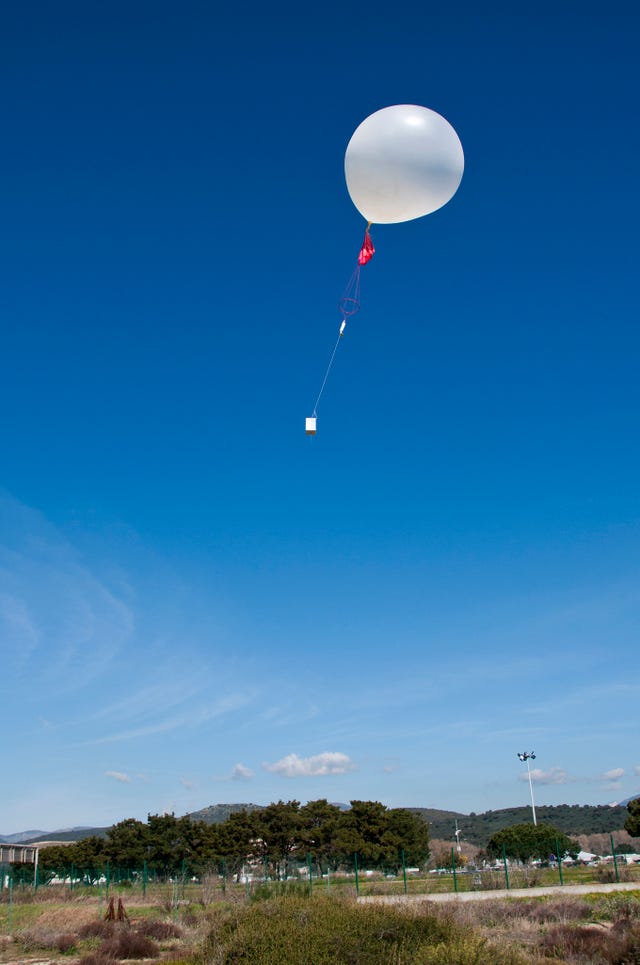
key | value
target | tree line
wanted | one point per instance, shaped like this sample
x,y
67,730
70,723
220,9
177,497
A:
x,y
277,836
522,842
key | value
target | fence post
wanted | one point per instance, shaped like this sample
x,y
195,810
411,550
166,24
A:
x,y
506,869
328,880
10,903
355,859
404,872
310,867
224,877
615,860
453,868
559,857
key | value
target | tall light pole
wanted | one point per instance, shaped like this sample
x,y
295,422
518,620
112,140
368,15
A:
x,y
526,756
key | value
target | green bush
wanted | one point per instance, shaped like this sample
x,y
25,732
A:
x,y
279,889
324,931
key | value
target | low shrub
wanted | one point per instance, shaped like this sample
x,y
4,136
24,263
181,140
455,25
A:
x,y
606,873
160,930
38,937
122,944
550,910
617,946
616,906
96,929
66,943
128,944
43,938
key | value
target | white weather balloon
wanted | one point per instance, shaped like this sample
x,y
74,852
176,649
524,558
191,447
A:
x,y
403,162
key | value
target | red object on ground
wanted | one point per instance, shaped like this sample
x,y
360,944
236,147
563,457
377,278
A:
x,y
367,251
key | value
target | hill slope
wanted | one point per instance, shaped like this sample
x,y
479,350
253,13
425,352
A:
x,y
218,813
478,828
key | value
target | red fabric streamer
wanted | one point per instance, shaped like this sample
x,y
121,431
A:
x,y
367,251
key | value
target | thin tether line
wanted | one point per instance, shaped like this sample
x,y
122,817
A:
x,y
326,375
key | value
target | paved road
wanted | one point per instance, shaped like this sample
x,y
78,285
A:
x,y
501,893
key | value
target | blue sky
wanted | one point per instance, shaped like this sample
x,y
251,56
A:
x,y
198,603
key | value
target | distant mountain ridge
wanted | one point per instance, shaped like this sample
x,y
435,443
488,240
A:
x,y
572,819
69,834
20,837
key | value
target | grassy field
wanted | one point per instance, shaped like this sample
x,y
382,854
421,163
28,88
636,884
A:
x,y
282,924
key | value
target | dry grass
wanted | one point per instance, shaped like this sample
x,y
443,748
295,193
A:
x,y
593,930
73,930
601,931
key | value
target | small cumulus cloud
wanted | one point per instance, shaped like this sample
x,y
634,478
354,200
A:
x,y
330,762
555,775
241,773
611,780
118,776
613,775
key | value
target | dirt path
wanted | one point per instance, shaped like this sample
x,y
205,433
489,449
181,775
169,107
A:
x,y
501,893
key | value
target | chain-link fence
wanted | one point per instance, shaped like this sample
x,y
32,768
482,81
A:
x,y
235,874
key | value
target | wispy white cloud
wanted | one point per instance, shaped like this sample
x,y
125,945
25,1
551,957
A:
x,y
172,690
187,784
555,775
118,776
17,624
241,773
60,623
291,714
636,770
226,705
330,762
196,715
587,695
159,727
